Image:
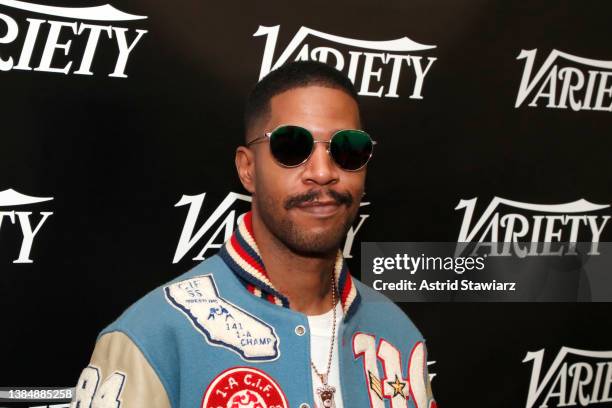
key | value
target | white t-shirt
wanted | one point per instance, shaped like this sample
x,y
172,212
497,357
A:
x,y
320,340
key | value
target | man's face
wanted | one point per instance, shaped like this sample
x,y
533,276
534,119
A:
x,y
308,208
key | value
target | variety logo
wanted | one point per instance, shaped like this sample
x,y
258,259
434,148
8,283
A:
x,y
543,223
44,46
575,378
220,225
375,67
584,86
431,375
28,226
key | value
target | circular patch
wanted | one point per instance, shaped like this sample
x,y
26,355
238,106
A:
x,y
244,387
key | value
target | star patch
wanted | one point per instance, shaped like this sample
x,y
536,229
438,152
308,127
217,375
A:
x,y
398,387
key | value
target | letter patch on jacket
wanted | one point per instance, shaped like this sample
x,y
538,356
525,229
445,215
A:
x,y
222,323
395,385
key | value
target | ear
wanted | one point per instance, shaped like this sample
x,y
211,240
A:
x,y
245,165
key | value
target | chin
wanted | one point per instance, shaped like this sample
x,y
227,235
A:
x,y
315,249
318,242
309,235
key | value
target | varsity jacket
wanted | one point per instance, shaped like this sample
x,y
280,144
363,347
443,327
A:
x,y
221,335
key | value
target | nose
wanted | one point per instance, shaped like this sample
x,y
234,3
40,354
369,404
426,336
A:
x,y
320,169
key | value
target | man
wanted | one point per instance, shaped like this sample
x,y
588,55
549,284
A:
x,y
275,318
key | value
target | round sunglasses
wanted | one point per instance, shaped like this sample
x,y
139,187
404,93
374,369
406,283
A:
x,y
292,146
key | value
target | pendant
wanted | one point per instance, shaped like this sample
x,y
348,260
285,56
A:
x,y
326,396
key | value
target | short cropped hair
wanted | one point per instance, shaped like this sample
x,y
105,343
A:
x,y
292,75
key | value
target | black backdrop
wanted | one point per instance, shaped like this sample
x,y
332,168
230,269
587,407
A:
x,y
117,154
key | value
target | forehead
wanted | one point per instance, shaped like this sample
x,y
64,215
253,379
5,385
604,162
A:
x,y
317,108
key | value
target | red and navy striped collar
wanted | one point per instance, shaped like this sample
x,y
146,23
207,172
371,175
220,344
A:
x,y
241,254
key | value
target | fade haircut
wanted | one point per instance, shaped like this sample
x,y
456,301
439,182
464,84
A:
x,y
295,74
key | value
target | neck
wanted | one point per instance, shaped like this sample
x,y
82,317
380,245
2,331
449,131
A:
x,y
304,280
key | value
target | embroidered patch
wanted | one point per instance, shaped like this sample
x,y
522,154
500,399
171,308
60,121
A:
x,y
242,387
90,393
393,385
221,322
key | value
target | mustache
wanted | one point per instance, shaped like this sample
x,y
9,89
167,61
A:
x,y
338,197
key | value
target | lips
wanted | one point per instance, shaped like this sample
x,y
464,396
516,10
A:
x,y
319,208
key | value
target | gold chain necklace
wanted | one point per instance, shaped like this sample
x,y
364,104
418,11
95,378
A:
x,y
326,392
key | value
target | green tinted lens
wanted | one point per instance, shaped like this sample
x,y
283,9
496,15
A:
x,y
291,145
351,149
